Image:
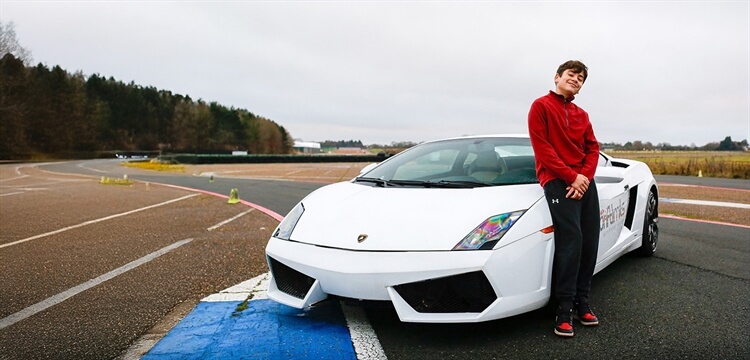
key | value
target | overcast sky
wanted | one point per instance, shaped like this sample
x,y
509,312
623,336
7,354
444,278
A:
x,y
674,72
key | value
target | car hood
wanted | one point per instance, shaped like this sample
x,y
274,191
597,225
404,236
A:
x,y
403,219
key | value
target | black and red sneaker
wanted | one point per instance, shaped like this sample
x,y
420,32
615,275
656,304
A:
x,y
585,316
564,323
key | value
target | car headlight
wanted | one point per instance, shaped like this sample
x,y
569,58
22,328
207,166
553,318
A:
x,y
489,232
284,231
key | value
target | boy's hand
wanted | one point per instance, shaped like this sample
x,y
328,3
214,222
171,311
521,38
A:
x,y
578,187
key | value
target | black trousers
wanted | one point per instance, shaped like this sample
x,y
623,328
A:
x,y
577,224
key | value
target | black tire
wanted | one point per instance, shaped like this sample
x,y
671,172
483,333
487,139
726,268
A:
x,y
650,226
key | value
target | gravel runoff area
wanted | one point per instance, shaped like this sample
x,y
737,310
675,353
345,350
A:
x,y
334,172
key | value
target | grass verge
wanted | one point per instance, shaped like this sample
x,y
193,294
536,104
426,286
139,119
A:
x,y
154,165
115,181
722,164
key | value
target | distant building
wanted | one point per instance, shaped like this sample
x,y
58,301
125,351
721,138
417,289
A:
x,y
306,147
350,150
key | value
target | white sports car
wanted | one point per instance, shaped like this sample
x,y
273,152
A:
x,y
453,230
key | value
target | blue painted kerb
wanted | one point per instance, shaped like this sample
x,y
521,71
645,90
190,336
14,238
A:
x,y
265,330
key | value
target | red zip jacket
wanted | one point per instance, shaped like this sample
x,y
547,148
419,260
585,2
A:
x,y
563,140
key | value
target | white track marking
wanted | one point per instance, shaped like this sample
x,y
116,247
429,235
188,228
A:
x,y
13,193
703,186
705,202
56,299
257,287
365,341
18,168
23,188
228,220
14,178
95,221
668,216
51,181
83,166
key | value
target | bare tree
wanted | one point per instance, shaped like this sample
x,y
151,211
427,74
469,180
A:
x,y
9,44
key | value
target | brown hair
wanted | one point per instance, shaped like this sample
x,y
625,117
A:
x,y
576,66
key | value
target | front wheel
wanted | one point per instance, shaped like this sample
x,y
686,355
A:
x,y
650,226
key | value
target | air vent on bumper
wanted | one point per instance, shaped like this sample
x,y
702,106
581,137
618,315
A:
x,y
290,281
470,292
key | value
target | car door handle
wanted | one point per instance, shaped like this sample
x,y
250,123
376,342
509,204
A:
x,y
627,187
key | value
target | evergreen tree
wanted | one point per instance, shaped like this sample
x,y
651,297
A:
x,y
728,145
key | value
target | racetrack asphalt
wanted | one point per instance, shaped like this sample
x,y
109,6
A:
x,y
87,269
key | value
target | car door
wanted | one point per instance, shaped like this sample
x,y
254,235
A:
x,y
613,208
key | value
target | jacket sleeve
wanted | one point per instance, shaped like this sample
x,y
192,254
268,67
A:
x,y
544,152
591,149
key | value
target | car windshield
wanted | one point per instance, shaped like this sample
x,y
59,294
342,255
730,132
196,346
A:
x,y
458,163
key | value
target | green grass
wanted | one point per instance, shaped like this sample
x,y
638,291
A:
x,y
241,307
722,164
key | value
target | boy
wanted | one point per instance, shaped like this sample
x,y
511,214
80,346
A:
x,y
566,153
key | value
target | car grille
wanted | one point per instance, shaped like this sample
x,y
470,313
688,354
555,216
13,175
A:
x,y
470,292
290,281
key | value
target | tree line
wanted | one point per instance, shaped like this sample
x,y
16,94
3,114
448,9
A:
x,y
725,145
51,113
342,144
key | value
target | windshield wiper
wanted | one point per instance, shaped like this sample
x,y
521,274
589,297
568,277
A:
x,y
451,184
462,183
379,182
440,184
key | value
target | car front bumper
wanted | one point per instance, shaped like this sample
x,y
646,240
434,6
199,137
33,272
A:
x,y
430,286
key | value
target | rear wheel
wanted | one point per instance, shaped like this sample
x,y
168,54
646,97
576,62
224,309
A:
x,y
650,226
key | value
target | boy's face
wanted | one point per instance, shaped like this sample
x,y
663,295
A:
x,y
569,83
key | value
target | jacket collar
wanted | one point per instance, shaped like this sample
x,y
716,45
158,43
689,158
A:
x,y
561,98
